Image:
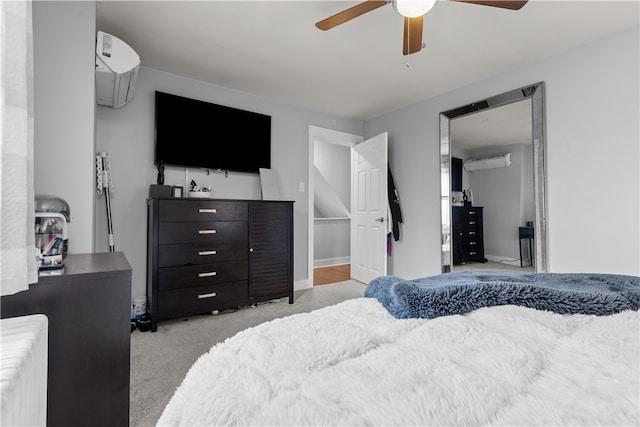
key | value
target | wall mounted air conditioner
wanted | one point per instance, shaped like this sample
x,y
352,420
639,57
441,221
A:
x,y
117,66
487,163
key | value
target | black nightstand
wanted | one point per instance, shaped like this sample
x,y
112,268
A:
x,y
526,242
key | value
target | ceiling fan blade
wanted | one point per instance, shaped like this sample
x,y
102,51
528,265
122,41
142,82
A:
x,y
412,42
504,4
349,14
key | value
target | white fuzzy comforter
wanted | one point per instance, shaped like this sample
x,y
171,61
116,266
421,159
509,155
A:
x,y
354,364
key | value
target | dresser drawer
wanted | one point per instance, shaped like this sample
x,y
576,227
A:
x,y
197,232
473,223
472,234
474,244
473,214
203,274
474,254
202,298
201,253
205,210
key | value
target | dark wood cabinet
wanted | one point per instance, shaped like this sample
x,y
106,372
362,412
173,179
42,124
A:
x,y
213,254
88,305
271,250
468,238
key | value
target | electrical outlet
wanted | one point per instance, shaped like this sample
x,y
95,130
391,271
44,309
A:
x,y
301,187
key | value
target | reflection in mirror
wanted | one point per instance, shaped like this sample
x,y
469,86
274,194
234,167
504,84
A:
x,y
493,183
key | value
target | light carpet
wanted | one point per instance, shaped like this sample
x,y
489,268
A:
x,y
160,360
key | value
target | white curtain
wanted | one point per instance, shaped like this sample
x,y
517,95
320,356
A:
x,y
17,241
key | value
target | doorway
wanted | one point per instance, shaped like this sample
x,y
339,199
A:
x,y
329,224
352,210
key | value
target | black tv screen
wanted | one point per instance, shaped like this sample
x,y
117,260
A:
x,y
199,134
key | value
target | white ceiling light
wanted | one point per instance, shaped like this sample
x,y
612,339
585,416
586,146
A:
x,y
413,8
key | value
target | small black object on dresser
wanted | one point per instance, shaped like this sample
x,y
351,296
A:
x,y
159,190
467,229
215,254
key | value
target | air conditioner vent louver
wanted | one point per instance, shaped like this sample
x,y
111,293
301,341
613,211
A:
x,y
487,162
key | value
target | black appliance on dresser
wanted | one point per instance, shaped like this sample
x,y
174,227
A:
x,y
468,240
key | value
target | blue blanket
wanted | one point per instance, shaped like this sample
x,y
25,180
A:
x,y
462,292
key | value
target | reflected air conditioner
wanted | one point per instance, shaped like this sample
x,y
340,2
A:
x,y
117,66
487,163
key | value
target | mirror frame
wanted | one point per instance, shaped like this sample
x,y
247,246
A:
x,y
534,92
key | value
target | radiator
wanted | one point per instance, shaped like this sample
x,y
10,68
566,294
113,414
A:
x,y
23,370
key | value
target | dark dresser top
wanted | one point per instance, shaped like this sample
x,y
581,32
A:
x,y
87,266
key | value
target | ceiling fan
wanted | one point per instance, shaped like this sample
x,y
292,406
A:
x,y
412,11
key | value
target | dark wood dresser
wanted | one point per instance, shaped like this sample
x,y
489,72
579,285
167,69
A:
x,y
213,254
468,240
88,305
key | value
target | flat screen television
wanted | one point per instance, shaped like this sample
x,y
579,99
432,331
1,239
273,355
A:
x,y
199,134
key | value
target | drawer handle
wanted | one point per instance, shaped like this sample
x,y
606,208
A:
x,y
209,274
472,232
203,296
205,210
205,253
472,222
472,212
472,243
472,253
206,231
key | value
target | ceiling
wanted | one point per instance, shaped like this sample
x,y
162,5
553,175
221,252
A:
x,y
504,125
272,49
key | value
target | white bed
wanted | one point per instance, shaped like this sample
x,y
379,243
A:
x,y
355,364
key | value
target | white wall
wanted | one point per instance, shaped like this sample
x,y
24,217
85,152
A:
x,y
127,134
592,132
498,192
64,110
332,242
334,163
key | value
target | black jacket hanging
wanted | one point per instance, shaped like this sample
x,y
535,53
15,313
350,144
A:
x,y
394,206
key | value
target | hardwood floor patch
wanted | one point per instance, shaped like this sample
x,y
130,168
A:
x,y
331,274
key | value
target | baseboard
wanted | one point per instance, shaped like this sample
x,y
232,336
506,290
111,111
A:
x,y
298,285
331,261
503,260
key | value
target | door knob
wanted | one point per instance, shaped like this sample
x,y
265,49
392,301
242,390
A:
x,y
381,219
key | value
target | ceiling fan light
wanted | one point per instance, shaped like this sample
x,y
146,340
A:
x,y
413,8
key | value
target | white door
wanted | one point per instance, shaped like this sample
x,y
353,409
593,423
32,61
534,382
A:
x,y
369,209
